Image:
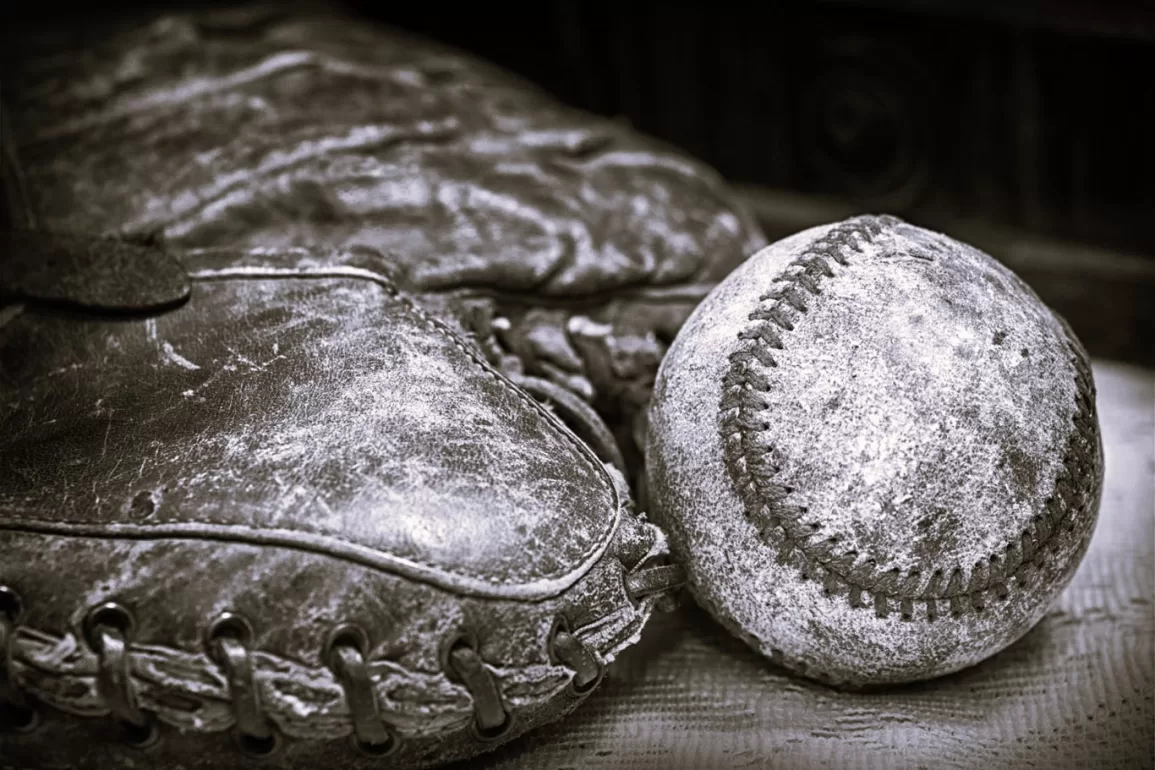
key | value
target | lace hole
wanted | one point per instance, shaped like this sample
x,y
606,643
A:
x,y
588,687
256,746
451,643
10,604
18,719
140,736
230,625
109,615
347,635
560,625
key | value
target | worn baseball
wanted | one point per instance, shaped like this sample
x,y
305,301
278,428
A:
x,y
876,452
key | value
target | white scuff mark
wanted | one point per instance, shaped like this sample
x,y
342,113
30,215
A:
x,y
276,349
63,369
253,366
321,503
196,392
150,328
238,356
107,430
170,356
112,473
282,485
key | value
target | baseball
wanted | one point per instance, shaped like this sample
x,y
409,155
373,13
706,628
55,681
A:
x,y
876,452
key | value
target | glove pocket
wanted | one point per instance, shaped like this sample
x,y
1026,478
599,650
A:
x,y
295,510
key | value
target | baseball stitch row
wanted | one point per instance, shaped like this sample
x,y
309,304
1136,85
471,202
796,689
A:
x,y
752,468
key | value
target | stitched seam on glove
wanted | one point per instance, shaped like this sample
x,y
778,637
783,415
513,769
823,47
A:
x,y
188,691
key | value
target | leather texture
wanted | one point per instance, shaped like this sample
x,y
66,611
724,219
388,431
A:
x,y
316,410
304,447
570,246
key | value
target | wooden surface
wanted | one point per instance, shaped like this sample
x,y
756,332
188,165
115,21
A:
x,y
1075,692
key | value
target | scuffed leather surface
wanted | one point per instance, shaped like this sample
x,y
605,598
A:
x,y
571,245
304,446
321,412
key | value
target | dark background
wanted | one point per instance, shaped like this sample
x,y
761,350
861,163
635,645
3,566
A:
x,y
1024,128
1037,116
1022,115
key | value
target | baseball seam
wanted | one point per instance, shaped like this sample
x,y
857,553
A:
x,y
752,468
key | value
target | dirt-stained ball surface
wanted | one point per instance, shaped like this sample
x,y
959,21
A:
x,y
876,452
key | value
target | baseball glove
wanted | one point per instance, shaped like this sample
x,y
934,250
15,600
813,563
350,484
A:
x,y
263,492
276,297
569,247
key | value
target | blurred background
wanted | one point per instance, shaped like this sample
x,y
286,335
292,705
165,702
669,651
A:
x,y
1037,116
1023,128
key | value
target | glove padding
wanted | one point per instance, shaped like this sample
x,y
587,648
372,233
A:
x,y
271,495
569,246
295,508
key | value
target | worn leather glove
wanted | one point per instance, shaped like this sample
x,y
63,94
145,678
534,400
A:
x,y
288,504
264,467
568,246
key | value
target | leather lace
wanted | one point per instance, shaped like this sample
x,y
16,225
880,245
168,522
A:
x,y
108,632
232,655
489,711
658,579
570,650
114,675
348,665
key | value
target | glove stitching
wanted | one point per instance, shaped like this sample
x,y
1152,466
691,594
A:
x,y
163,676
